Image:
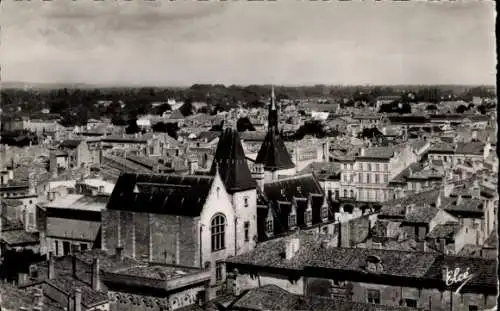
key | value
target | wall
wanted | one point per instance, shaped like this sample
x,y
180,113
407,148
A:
x,y
166,233
121,301
245,214
441,217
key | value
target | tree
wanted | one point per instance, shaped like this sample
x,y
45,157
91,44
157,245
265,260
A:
x,y
244,124
314,128
461,109
431,107
187,108
132,127
163,108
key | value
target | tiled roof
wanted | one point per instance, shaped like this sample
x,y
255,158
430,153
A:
x,y
209,135
441,147
473,148
19,237
271,253
299,186
230,160
273,153
378,153
395,263
324,170
492,240
164,194
70,143
80,202
421,214
422,198
447,230
484,270
464,205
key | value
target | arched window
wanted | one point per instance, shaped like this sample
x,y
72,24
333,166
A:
x,y
345,193
217,228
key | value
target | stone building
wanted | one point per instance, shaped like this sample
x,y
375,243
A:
x,y
196,220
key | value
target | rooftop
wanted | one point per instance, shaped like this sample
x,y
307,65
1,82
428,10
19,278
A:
x,y
79,202
272,297
446,230
165,194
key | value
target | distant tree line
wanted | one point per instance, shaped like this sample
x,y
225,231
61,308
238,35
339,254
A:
x,y
76,106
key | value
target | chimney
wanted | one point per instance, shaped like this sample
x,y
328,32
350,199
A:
x,y
51,272
442,245
119,252
78,300
291,247
96,282
73,265
10,173
363,151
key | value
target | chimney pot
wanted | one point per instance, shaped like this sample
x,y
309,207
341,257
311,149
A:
x,y
51,271
95,275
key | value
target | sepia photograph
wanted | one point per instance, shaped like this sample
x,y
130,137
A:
x,y
248,155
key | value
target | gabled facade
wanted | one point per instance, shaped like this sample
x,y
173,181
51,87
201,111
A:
x,y
177,219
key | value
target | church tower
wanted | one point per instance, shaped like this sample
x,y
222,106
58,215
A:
x,y
231,163
273,154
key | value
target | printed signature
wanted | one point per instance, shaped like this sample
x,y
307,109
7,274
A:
x,y
457,276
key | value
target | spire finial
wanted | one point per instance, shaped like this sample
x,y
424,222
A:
x,y
273,98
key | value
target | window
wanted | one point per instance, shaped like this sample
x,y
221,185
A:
x,y
324,212
412,303
218,271
352,193
291,220
57,248
386,178
386,167
217,227
376,178
345,193
373,296
369,166
473,308
377,167
218,192
247,231
308,216
360,178
245,201
368,179
269,226
83,247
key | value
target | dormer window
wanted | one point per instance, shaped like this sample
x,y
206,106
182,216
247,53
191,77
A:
x,y
291,220
308,217
269,226
373,264
324,212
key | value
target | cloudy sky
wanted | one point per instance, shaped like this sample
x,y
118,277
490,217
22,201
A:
x,y
285,42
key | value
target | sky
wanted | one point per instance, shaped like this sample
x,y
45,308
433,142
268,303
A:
x,y
287,42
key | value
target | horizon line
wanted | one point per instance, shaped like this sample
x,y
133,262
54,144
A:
x,y
131,85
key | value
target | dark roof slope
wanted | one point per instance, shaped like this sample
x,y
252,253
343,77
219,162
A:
x,y
230,159
162,194
298,186
273,153
70,143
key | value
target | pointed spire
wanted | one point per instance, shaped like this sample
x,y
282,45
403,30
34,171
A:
x,y
273,98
